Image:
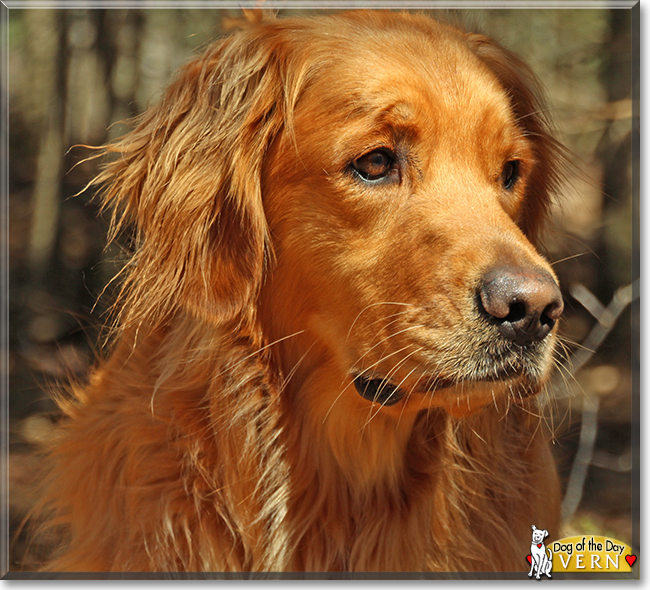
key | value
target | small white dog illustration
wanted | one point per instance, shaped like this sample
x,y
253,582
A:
x,y
540,562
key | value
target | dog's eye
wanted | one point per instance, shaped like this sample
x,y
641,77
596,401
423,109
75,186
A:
x,y
375,165
510,174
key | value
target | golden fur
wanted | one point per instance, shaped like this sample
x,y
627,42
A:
x,y
223,431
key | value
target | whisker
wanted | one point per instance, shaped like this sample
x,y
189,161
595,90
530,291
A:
x,y
568,258
256,352
372,366
406,399
400,384
387,356
573,343
286,380
338,397
373,305
392,322
386,379
386,339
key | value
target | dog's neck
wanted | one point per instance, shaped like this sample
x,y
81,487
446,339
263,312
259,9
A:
x,y
349,466
325,460
361,441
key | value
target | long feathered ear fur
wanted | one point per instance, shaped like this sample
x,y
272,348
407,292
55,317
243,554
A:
x,y
529,105
187,179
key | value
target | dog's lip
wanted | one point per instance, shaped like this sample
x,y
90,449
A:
x,y
503,374
429,384
377,389
382,390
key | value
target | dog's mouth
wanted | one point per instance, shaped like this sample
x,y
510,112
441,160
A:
x,y
378,390
382,391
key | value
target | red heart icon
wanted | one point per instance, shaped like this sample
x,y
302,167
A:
x,y
539,545
630,559
530,559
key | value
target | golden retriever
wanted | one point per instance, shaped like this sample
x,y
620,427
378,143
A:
x,y
335,319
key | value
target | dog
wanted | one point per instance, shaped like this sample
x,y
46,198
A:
x,y
332,330
541,563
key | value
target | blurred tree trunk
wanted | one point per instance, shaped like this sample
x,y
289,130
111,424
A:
x,y
614,150
46,41
615,245
118,45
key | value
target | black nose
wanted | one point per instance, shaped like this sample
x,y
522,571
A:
x,y
524,304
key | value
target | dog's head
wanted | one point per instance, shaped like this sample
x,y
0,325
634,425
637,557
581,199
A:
x,y
372,183
539,535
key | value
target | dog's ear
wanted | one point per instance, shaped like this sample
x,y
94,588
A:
x,y
187,180
534,528
529,106
545,533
